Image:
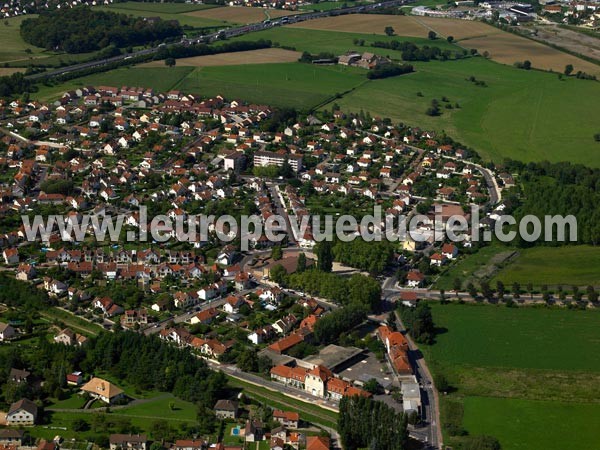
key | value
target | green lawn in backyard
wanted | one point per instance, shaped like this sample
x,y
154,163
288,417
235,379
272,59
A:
x,y
287,84
74,401
78,324
569,265
526,424
142,416
160,407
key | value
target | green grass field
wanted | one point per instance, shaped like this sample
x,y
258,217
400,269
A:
x,y
78,324
524,115
524,338
338,42
525,424
13,47
573,265
308,411
142,416
287,84
507,364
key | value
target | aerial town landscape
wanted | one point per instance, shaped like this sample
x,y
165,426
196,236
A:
x,y
308,225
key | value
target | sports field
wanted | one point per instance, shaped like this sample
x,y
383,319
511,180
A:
x,y
239,14
262,56
506,364
503,47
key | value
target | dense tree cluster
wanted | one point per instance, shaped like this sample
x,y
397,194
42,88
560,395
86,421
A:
x,y
419,322
80,30
389,70
186,51
329,327
14,84
22,294
366,423
148,363
370,256
356,289
558,188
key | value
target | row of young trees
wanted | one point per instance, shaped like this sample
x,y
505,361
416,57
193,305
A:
x,y
80,30
366,423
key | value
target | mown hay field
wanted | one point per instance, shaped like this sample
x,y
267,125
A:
x,y
262,56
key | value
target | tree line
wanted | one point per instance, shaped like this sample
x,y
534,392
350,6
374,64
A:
x,y
366,423
329,327
80,30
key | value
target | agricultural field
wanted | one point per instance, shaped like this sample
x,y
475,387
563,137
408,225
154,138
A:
x,y
503,47
527,424
239,14
505,364
262,56
288,84
520,114
182,12
329,5
317,41
570,265
14,48
509,48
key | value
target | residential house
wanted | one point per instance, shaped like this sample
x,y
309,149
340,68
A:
x,y
226,409
23,412
103,390
127,441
